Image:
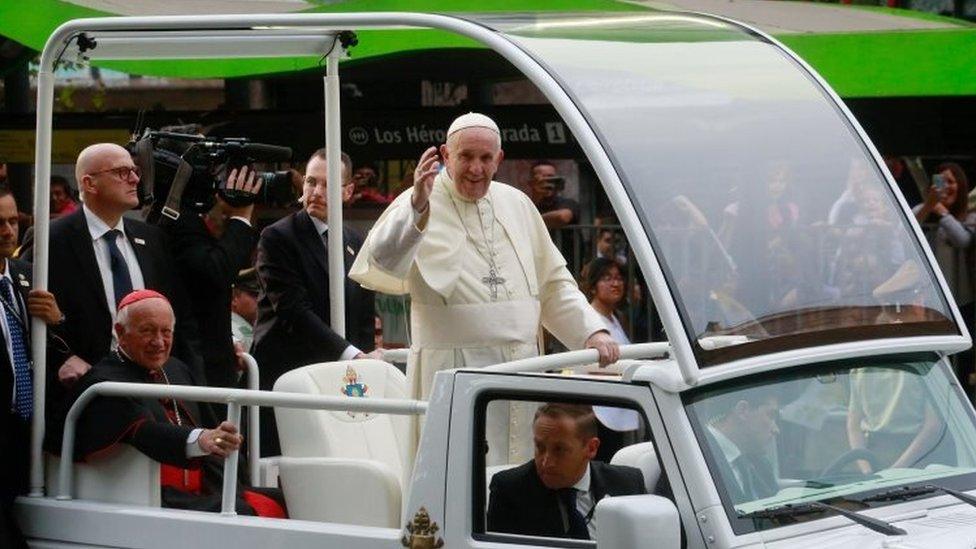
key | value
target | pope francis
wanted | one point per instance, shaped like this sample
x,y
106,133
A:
x,y
481,269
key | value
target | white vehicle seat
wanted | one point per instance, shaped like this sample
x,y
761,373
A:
x,y
339,466
120,475
643,457
268,472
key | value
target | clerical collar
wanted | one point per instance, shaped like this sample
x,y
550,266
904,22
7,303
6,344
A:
x,y
320,226
158,375
126,358
121,354
583,484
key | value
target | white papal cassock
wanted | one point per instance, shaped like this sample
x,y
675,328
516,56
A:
x,y
461,316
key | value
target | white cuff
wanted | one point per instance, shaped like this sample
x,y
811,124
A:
x,y
242,219
415,217
350,353
193,449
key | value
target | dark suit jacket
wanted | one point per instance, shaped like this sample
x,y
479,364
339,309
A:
x,y
141,422
763,478
77,285
14,431
207,267
293,308
520,504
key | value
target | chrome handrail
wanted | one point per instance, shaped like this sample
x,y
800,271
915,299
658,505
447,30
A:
x,y
396,355
578,358
234,398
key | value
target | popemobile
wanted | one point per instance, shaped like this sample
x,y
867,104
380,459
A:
x,y
803,397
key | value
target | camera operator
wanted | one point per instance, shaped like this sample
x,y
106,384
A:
x,y
208,263
545,186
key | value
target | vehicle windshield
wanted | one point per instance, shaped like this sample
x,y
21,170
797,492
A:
x,y
774,226
834,432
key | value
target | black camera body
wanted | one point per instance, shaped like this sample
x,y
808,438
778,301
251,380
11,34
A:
x,y
182,172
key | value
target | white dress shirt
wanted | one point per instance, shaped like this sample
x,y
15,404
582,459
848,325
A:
x,y
616,330
321,227
98,228
729,451
584,501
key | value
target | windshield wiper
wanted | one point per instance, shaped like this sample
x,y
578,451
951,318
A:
x,y
793,510
908,492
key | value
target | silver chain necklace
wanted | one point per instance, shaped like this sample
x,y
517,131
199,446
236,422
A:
x,y
492,280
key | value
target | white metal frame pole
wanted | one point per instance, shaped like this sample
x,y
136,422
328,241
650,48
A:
x,y
42,211
228,500
333,153
253,422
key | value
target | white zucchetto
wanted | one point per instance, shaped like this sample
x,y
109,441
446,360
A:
x,y
473,120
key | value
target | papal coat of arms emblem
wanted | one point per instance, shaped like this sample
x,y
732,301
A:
x,y
423,532
352,387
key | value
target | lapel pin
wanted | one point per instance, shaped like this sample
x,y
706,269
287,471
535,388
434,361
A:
x,y
349,249
139,241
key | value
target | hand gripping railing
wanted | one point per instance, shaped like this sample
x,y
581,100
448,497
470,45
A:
x,y
579,358
396,355
234,398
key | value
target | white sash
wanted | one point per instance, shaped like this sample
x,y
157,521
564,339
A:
x,y
474,325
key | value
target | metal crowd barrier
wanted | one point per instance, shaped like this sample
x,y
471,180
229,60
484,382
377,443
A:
x,y
696,256
234,399
578,246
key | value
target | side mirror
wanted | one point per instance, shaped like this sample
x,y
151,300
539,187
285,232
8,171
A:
x,y
625,522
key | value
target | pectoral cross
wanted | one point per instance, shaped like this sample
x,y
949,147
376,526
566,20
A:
x,y
493,280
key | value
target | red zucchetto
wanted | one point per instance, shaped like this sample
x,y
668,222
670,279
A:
x,y
139,295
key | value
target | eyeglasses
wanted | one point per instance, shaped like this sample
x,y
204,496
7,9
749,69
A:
x,y
311,181
611,278
122,172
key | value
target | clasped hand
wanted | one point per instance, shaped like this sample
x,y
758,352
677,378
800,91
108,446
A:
x,y
220,441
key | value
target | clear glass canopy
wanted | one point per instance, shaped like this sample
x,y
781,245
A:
x,y
773,224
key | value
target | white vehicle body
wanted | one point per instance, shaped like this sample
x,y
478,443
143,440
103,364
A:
x,y
678,70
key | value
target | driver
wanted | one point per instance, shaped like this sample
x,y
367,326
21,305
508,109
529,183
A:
x,y
741,432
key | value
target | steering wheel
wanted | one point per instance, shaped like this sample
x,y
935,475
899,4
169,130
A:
x,y
850,456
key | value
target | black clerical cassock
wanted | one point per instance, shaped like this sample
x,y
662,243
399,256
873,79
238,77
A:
x,y
160,429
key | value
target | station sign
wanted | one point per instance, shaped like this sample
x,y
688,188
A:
x,y
534,131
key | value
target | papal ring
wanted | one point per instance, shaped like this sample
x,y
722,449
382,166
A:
x,y
218,440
